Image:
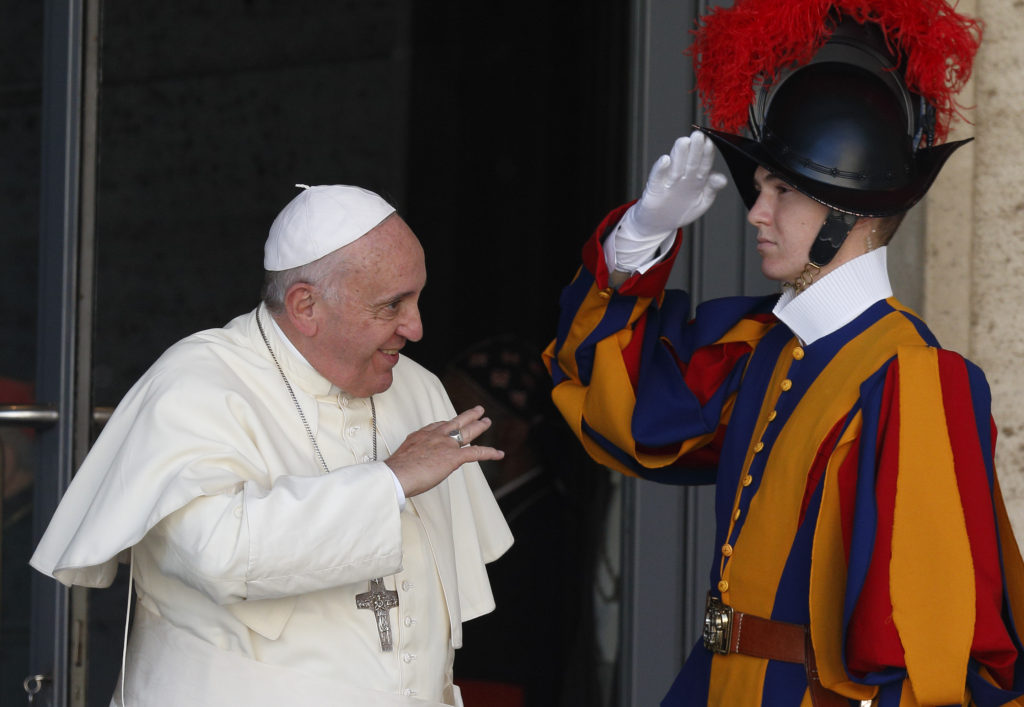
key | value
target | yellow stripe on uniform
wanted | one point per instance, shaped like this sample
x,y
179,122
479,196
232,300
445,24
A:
x,y
828,577
931,573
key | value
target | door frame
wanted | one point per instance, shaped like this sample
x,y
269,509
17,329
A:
x,y
66,201
668,532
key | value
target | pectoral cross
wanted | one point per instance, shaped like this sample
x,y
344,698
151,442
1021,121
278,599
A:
x,y
379,599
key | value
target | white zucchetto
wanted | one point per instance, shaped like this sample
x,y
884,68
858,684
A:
x,y
320,220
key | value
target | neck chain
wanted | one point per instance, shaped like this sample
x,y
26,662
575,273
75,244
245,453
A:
x,y
804,279
302,416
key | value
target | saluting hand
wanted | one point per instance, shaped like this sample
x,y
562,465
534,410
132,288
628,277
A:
x,y
679,189
431,453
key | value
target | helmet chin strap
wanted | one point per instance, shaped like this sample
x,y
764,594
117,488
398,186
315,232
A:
x,y
829,240
831,237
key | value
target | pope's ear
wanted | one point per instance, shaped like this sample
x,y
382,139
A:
x,y
299,303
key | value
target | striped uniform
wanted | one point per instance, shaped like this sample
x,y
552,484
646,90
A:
x,y
855,487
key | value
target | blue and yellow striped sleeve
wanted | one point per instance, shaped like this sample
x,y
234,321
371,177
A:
x,y
647,390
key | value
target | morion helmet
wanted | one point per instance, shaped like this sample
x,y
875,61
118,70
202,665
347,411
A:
x,y
849,101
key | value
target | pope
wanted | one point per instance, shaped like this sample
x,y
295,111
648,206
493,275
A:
x,y
302,508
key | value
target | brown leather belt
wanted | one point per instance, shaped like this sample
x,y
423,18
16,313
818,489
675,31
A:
x,y
729,631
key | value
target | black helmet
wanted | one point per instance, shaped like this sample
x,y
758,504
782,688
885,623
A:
x,y
843,100
843,129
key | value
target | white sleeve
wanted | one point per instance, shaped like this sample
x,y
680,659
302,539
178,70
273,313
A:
x,y
622,249
303,534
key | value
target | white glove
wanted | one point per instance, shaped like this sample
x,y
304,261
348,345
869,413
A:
x,y
680,188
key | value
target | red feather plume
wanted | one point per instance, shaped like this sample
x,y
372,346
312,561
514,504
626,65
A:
x,y
735,48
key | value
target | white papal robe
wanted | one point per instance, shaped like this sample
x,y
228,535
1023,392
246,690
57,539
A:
x,y
248,557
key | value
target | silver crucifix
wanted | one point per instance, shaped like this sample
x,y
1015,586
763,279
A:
x,y
379,599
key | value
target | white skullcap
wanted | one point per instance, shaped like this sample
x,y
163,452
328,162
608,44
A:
x,y
319,221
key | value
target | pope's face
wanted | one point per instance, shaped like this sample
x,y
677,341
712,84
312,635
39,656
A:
x,y
787,223
369,309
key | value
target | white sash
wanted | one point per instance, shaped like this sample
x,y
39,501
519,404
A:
x,y
169,667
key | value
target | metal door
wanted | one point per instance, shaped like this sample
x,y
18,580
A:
x,y
44,416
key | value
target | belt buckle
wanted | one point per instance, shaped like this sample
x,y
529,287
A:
x,y
717,625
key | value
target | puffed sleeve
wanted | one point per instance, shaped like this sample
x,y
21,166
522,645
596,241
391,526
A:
x,y
934,590
641,385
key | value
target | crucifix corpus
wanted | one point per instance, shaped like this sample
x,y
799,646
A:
x,y
380,600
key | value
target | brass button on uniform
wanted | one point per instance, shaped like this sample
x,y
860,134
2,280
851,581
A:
x,y
758,447
723,586
772,414
606,293
727,550
736,515
798,353
786,384
747,480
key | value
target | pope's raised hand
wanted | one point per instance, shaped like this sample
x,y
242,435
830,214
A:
x,y
431,453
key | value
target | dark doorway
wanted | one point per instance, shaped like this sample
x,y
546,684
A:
x,y
497,129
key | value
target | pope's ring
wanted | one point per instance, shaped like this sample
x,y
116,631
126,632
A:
x,y
457,436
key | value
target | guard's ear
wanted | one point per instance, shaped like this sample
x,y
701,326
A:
x,y
300,307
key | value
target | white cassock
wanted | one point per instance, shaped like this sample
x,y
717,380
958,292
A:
x,y
248,557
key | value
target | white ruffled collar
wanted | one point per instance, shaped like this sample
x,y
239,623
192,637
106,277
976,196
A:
x,y
836,299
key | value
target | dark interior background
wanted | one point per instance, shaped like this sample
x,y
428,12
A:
x,y
497,129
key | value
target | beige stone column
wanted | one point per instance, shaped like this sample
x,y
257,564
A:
x,y
974,265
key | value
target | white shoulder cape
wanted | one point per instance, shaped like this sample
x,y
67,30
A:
x,y
219,390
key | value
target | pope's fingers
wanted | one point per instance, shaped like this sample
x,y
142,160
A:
x,y
480,453
467,425
430,427
464,418
470,431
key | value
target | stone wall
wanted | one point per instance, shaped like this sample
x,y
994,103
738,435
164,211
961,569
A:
x,y
974,288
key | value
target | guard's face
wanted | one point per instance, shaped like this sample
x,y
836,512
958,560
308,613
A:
x,y
787,223
373,310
